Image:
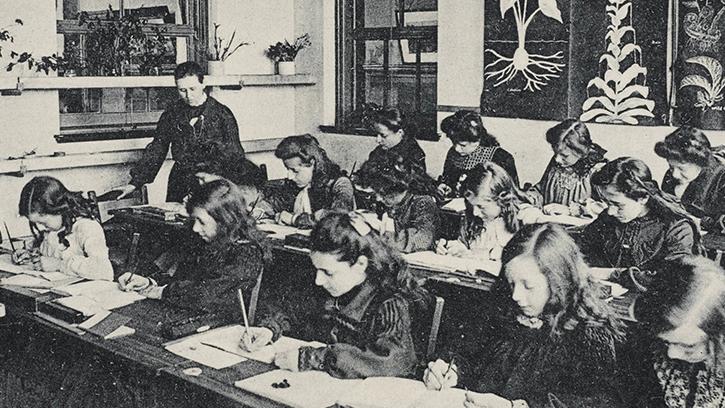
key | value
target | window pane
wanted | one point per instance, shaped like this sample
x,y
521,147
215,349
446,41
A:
x,y
156,11
69,9
385,13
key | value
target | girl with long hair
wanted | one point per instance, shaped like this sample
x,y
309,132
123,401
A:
x,y
686,316
315,183
231,257
71,240
371,317
495,210
472,146
565,188
695,176
556,335
410,218
641,226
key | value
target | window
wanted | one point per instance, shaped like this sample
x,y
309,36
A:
x,y
166,32
387,55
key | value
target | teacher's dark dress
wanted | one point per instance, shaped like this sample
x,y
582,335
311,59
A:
x,y
214,138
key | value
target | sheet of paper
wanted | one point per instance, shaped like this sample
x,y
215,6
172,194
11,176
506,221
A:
x,y
447,398
281,231
229,337
29,281
617,289
87,306
49,276
7,265
384,392
122,331
569,220
451,263
94,320
209,356
308,389
91,286
457,205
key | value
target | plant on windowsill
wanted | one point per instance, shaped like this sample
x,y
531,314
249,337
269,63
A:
x,y
117,45
284,53
44,63
220,51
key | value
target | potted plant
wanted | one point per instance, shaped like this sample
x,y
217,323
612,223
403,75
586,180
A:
x,y
220,51
284,53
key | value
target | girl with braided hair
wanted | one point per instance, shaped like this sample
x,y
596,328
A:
x,y
495,210
67,236
642,224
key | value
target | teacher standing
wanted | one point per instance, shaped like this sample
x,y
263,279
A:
x,y
200,131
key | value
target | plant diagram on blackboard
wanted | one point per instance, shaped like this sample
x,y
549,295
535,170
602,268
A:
x,y
536,69
620,94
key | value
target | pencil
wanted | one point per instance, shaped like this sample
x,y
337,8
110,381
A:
x,y
10,237
244,312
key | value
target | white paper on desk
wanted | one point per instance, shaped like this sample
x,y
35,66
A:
x,y
281,231
83,288
106,294
451,263
229,338
94,320
569,220
193,350
29,281
384,392
88,307
446,398
617,289
307,389
49,276
457,205
7,265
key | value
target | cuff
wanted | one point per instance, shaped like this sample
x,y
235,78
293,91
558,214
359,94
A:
x,y
312,358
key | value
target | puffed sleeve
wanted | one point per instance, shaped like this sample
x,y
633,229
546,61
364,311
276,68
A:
x,y
390,351
504,159
679,240
146,169
449,176
420,232
591,240
94,262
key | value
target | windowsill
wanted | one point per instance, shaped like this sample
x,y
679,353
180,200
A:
x,y
364,133
167,81
106,158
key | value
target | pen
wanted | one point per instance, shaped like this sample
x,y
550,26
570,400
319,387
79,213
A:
x,y
244,312
10,237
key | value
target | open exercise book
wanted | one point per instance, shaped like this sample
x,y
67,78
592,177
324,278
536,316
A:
x,y
92,297
25,276
449,263
219,348
316,389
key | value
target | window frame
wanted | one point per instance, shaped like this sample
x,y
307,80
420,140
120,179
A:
x,y
95,126
351,35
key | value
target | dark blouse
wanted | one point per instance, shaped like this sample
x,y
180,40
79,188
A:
x,y
579,368
565,185
408,149
213,138
457,165
208,280
640,243
336,194
704,197
416,221
369,332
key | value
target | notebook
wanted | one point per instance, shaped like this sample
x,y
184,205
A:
x,y
30,281
107,295
316,389
448,263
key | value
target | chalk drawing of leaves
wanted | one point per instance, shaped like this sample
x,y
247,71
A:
x,y
550,9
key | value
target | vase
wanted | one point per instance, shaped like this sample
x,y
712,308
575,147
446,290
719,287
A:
x,y
286,68
215,68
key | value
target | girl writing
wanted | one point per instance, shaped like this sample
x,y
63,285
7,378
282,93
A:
x,y
472,145
393,139
67,236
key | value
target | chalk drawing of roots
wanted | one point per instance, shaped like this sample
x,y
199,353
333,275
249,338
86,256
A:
x,y
536,69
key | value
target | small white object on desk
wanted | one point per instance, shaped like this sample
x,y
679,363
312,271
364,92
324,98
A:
x,y
457,205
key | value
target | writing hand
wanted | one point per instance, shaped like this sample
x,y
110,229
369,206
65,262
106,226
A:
x,y
556,209
288,360
444,190
441,248
475,400
129,282
257,338
440,375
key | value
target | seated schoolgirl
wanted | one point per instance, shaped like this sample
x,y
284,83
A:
x,y
495,210
410,220
565,187
232,255
641,226
370,317
695,176
315,182
71,240
394,138
556,336
472,145
686,317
